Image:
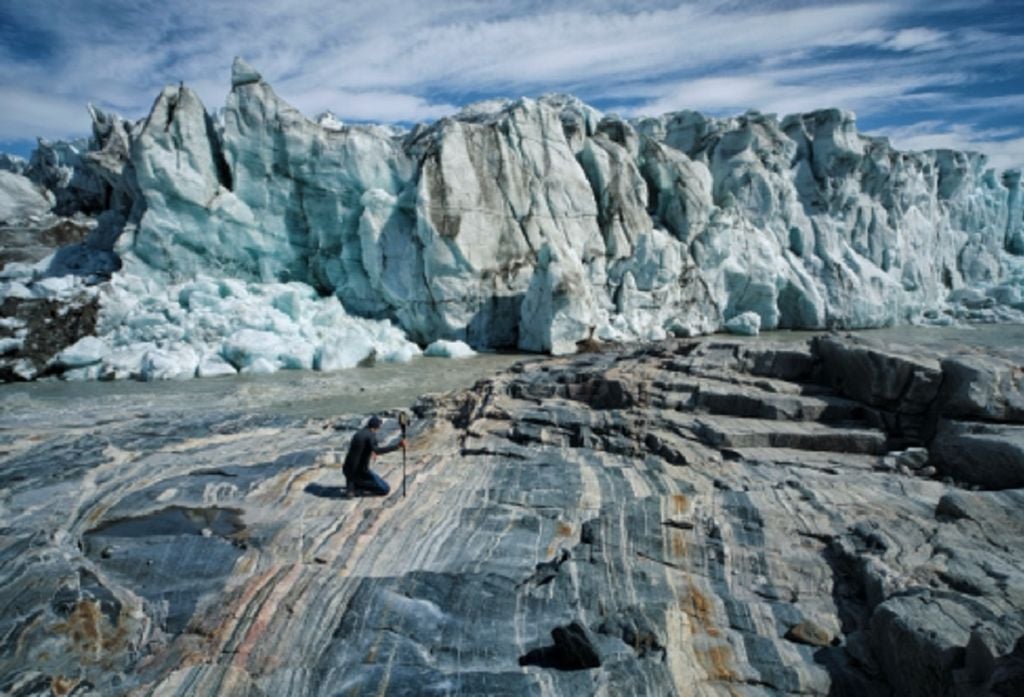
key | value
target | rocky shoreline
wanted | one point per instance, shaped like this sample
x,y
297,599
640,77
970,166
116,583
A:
x,y
694,517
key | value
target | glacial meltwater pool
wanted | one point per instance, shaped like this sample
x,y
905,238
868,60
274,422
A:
x,y
288,392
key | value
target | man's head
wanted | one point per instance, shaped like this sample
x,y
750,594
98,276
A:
x,y
373,424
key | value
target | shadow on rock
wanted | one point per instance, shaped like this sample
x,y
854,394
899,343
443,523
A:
x,y
573,649
850,662
340,492
327,492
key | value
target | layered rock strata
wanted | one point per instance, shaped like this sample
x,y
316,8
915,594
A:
x,y
696,518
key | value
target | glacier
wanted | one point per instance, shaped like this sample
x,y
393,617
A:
x,y
533,224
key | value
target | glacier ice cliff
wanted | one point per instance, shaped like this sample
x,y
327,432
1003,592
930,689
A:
x,y
542,223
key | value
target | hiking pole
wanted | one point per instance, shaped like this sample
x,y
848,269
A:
x,y
403,421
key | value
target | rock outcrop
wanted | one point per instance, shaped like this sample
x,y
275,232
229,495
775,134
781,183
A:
x,y
693,517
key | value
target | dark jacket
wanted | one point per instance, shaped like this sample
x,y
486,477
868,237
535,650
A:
x,y
364,444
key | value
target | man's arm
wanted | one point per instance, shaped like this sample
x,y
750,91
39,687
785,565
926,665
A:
x,y
385,449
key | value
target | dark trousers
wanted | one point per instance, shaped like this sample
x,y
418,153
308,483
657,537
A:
x,y
370,484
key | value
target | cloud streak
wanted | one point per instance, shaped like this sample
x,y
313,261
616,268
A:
x,y
401,61
1004,146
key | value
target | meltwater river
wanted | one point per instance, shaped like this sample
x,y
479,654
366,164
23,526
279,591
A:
x,y
291,393
55,404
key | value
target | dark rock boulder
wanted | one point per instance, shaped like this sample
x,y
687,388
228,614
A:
x,y
899,382
988,455
982,388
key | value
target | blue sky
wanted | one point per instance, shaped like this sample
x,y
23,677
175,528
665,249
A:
x,y
944,73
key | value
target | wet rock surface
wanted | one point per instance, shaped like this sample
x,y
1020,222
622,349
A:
x,y
714,517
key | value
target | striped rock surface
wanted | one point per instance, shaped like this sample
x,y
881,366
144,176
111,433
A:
x,y
693,518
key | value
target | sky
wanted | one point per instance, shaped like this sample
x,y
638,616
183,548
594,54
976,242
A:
x,y
939,73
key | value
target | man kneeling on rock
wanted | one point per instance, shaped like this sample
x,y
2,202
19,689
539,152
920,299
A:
x,y
359,478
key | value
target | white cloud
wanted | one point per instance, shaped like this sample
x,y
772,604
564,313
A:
x,y
1003,152
372,106
916,39
123,55
29,113
588,49
798,90
395,60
